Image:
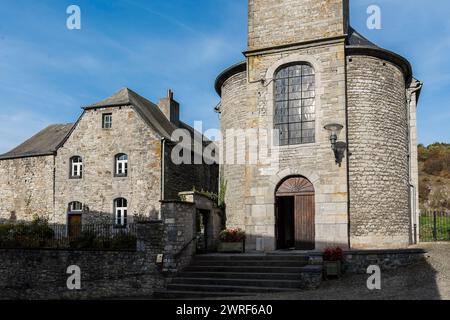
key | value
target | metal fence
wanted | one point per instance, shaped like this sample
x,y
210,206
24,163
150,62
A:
x,y
435,226
80,237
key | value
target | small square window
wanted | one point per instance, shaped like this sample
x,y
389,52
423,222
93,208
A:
x,y
107,121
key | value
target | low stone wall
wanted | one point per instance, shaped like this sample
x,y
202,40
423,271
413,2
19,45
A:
x,y
41,274
359,261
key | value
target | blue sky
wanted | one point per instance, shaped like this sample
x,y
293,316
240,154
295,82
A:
x,y
48,72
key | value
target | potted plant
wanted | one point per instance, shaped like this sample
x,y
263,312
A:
x,y
332,260
232,241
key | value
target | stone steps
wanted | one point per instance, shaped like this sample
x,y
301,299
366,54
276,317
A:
x,y
227,288
251,263
220,275
242,275
238,268
260,283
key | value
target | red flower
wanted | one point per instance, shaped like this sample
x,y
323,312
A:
x,y
333,254
232,235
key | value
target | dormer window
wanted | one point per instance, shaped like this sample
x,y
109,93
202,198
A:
x,y
76,167
121,165
107,121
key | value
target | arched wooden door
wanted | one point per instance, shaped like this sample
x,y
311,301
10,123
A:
x,y
295,214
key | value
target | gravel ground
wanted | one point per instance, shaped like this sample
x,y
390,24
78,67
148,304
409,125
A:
x,y
428,280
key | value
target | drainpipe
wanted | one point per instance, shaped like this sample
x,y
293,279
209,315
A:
x,y
412,188
163,164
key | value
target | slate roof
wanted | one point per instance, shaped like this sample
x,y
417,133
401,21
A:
x,y
356,39
45,142
48,141
149,111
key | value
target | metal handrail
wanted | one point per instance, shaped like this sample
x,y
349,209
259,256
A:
x,y
185,247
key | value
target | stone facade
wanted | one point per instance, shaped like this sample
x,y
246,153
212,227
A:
x,y
283,22
247,102
98,147
365,202
187,177
378,144
26,187
43,184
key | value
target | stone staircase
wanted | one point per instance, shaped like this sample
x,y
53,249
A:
x,y
221,275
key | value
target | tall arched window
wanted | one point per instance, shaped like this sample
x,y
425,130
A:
x,y
120,211
76,167
295,113
121,165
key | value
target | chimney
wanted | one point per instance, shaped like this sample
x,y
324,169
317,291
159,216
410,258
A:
x,y
170,108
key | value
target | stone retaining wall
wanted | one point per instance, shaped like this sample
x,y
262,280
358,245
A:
x,y
42,274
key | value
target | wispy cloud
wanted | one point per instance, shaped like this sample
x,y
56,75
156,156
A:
x,y
14,131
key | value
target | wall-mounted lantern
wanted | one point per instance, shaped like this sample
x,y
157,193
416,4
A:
x,y
338,147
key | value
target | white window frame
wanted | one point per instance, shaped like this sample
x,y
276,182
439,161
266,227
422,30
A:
x,y
107,121
120,212
75,210
76,168
122,164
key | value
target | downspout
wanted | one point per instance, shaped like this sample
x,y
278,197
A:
x,y
54,185
412,188
163,165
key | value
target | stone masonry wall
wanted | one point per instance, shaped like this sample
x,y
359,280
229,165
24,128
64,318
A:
x,y
234,115
282,22
251,188
99,187
179,220
186,177
41,274
26,188
379,188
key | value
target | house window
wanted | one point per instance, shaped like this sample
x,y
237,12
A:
x,y
120,210
295,113
121,165
107,121
75,207
76,167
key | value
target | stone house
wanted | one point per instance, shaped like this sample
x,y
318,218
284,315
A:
x,y
113,163
311,77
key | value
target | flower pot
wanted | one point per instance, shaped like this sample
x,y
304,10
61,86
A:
x,y
231,247
332,268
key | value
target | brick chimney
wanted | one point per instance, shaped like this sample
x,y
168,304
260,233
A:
x,y
170,108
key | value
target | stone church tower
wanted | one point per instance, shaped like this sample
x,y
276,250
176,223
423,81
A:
x,y
306,70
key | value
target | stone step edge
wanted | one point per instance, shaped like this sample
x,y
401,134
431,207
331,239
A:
x,y
257,289
304,269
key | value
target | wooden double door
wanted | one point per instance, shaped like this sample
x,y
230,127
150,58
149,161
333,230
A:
x,y
295,214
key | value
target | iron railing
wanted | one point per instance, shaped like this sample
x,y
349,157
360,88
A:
x,y
435,226
80,237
